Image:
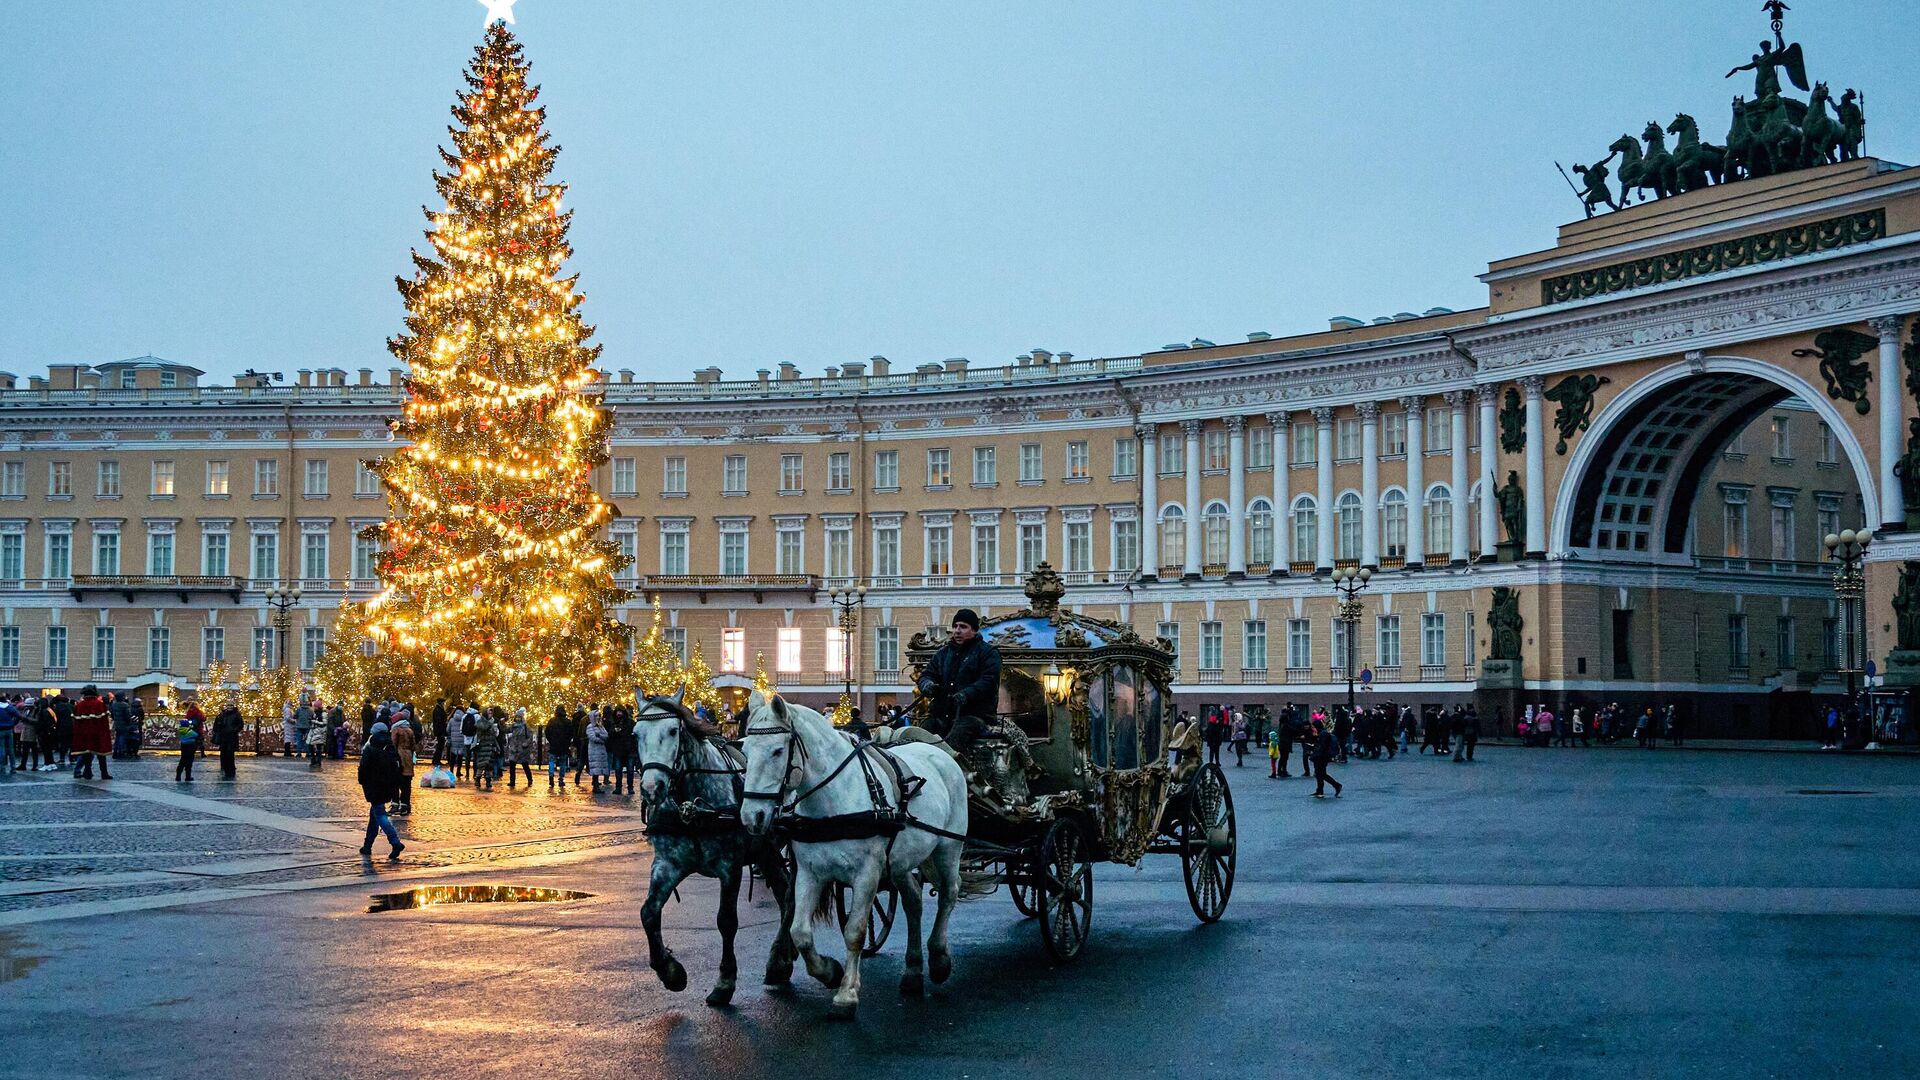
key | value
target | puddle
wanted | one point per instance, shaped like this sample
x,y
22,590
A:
x,y
438,895
12,964
1828,791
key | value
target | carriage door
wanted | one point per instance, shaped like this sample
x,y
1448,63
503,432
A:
x,y
1098,743
1125,719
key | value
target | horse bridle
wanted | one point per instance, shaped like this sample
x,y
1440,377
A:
x,y
796,753
676,773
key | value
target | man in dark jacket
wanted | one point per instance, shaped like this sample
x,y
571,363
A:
x,y
380,780
559,747
227,724
125,727
1325,748
962,682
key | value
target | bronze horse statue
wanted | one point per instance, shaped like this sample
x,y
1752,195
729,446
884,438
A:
x,y
1696,164
1645,172
1820,134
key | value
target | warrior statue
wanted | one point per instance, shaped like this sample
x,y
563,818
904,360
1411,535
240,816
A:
x,y
1853,125
1596,191
1513,507
1906,608
1505,621
1907,468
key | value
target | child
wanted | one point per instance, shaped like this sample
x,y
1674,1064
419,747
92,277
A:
x,y
1273,752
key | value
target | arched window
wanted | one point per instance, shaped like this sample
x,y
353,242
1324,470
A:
x,y
1439,523
1173,536
1393,524
1347,516
1213,530
1260,532
1473,520
1306,531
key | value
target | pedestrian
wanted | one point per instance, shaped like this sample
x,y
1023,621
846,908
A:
x,y
1238,733
406,744
342,735
1578,728
1471,735
486,739
624,746
226,735
559,747
63,708
380,782
191,727
596,749
1292,730
92,736
369,717
125,726
303,723
1273,752
469,735
1648,730
27,735
1216,735
9,723
316,744
579,752
1543,726
520,748
1673,724
1458,721
1325,747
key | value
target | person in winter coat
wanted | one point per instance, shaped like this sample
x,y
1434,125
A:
x,y
581,718
126,728
289,734
1239,735
439,721
520,749
597,765
624,747
92,734
559,746
1273,752
404,743
191,729
486,742
226,735
380,782
303,723
316,744
1325,749
342,734
368,718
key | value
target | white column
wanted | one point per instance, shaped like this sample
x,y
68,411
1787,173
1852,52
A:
x,y
1237,496
1893,508
1323,451
1282,519
1369,483
1531,388
1489,473
1149,501
1416,480
1457,402
1192,429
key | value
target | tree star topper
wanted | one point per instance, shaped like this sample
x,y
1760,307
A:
x,y
499,11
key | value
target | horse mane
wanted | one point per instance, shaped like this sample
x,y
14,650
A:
x,y
702,728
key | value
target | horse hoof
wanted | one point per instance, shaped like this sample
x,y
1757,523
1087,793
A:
x,y
835,972
779,974
838,1011
939,966
672,975
912,985
720,996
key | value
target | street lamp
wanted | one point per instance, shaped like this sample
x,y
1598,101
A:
x,y
281,600
848,602
1848,551
1348,584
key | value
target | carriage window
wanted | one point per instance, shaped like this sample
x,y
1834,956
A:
x,y
1023,702
1097,691
1152,724
1126,725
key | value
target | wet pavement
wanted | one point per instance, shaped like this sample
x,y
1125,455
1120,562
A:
x,y
1538,913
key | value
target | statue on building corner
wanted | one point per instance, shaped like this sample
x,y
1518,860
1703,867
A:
x,y
1574,396
1513,423
1839,351
1906,608
1505,621
1513,508
1907,471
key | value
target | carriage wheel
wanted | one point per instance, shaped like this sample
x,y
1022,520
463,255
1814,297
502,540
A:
x,y
1025,897
1209,843
880,915
1065,889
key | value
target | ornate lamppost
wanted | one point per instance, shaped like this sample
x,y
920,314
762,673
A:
x,y
848,603
281,601
1848,551
1348,584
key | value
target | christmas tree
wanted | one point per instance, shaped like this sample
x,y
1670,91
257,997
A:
x,y
493,566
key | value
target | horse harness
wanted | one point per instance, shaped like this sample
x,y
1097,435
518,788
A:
x,y
692,816
886,818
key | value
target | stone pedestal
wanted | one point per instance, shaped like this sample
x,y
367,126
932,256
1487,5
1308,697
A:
x,y
1903,667
1497,697
1508,551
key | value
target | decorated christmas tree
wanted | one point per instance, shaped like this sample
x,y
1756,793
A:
x,y
493,566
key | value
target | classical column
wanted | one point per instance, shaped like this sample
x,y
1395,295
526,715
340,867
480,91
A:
x,y
1531,388
1369,483
1489,472
1282,517
1149,501
1192,429
1416,481
1893,504
1323,457
1457,402
1237,496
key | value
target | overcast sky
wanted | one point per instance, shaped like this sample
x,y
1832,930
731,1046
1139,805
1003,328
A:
x,y
235,183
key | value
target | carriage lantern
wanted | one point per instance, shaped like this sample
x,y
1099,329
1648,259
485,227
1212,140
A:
x,y
1057,683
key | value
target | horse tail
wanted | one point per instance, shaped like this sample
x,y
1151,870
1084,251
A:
x,y
823,913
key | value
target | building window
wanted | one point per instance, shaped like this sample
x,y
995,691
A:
x,y
1826,514
103,643
313,556
1079,546
1214,527
1393,434
792,474
13,558
1173,536
939,550
986,548
677,641
626,479
60,479
1737,641
1347,512
159,554
733,649
57,647
986,468
1830,644
313,646
836,643
214,558
1473,520
1393,524
1173,454
365,480
673,477
1211,639
1780,524
1299,643
840,552
1033,545
9,647
1340,643
266,556
1126,546
109,484
1438,431
886,648
626,540
1734,525
1306,531
733,551
1439,521
264,655
59,556
1306,445
1171,632
366,552
1260,448
1032,471
1387,646
266,477
1213,442
839,472
787,650
219,480
159,648
213,645
1782,438
1079,461
733,475
106,553
1784,646
1433,639
13,480
1829,447
790,551
886,470
886,551
939,469
673,554
315,485
1126,457
1346,433
1253,645
162,480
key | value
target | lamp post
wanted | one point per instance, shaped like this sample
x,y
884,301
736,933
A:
x,y
1348,584
280,601
848,602
1848,551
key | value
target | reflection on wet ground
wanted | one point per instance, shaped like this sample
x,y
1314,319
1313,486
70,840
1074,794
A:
x,y
437,895
12,964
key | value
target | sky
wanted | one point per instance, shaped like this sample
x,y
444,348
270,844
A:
x,y
236,183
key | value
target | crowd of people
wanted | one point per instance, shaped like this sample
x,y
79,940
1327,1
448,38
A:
x,y
1537,725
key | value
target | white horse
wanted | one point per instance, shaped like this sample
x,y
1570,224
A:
x,y
801,771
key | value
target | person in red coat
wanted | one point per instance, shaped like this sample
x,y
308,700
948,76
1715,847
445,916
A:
x,y
92,734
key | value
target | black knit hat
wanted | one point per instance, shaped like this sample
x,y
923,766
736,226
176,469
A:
x,y
966,615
